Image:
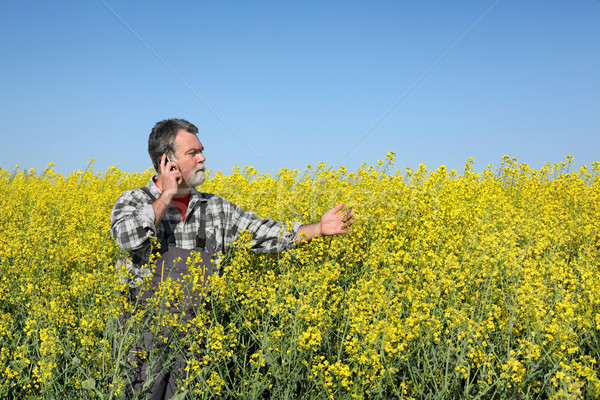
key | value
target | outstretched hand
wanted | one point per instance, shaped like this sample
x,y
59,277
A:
x,y
335,221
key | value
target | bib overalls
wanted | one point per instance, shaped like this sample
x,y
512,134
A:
x,y
171,264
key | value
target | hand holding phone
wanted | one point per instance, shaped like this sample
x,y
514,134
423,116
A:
x,y
169,160
168,182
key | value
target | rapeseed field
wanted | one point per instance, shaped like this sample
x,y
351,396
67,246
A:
x,y
452,285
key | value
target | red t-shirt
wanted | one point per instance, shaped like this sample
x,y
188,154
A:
x,y
181,204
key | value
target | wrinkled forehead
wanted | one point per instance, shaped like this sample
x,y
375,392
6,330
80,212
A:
x,y
185,141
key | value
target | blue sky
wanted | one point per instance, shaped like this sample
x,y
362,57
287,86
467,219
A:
x,y
285,84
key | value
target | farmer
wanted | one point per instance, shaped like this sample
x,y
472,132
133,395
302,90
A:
x,y
184,220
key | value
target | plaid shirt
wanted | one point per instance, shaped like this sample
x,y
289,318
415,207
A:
x,y
132,226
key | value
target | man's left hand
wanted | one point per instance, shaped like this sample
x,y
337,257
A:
x,y
335,222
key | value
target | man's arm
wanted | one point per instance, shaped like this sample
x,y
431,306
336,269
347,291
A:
x,y
333,222
226,220
160,207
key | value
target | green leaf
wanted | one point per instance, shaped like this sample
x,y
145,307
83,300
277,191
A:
x,y
89,384
179,396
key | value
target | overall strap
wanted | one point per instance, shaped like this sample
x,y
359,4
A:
x,y
146,190
201,239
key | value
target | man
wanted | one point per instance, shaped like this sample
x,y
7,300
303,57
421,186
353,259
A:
x,y
183,219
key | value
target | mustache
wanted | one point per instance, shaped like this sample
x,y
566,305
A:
x,y
200,167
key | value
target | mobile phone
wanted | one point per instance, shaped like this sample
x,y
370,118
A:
x,y
169,160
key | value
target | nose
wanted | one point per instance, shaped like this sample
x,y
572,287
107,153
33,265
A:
x,y
201,158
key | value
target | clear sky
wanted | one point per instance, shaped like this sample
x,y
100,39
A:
x,y
277,84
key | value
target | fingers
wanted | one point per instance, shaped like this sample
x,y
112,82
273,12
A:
x,y
345,216
167,165
348,214
346,220
336,221
337,208
347,223
162,163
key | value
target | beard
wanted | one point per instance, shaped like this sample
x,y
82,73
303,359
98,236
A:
x,y
196,177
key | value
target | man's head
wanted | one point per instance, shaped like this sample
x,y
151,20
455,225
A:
x,y
162,138
177,139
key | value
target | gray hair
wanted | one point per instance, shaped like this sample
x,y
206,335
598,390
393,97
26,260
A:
x,y
162,138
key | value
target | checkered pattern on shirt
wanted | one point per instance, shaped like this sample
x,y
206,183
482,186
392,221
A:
x,y
132,225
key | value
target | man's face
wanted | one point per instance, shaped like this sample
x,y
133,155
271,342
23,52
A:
x,y
189,156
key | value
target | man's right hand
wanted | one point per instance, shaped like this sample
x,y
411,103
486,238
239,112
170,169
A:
x,y
168,180
169,177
